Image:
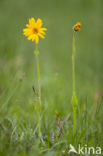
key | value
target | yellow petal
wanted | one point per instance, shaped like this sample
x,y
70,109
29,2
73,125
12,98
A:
x,y
27,25
27,32
41,35
39,22
42,32
32,21
43,29
36,39
31,37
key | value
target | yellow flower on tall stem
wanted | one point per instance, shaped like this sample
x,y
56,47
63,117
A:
x,y
33,31
76,28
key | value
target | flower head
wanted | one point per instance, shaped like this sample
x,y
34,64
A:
x,y
77,26
34,30
63,151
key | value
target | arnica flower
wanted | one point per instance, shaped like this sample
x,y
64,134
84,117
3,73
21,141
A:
x,y
63,151
77,26
34,30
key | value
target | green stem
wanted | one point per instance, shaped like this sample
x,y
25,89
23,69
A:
x,y
38,72
74,113
73,63
74,99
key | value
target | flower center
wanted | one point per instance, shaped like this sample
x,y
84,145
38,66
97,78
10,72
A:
x,y
35,30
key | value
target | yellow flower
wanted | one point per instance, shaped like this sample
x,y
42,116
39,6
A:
x,y
77,26
63,151
34,30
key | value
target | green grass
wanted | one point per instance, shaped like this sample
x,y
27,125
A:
x,y
18,117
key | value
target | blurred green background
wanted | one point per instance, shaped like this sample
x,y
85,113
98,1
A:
x,y
18,64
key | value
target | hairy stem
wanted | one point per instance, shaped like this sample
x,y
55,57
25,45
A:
x,y
74,99
39,85
73,62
